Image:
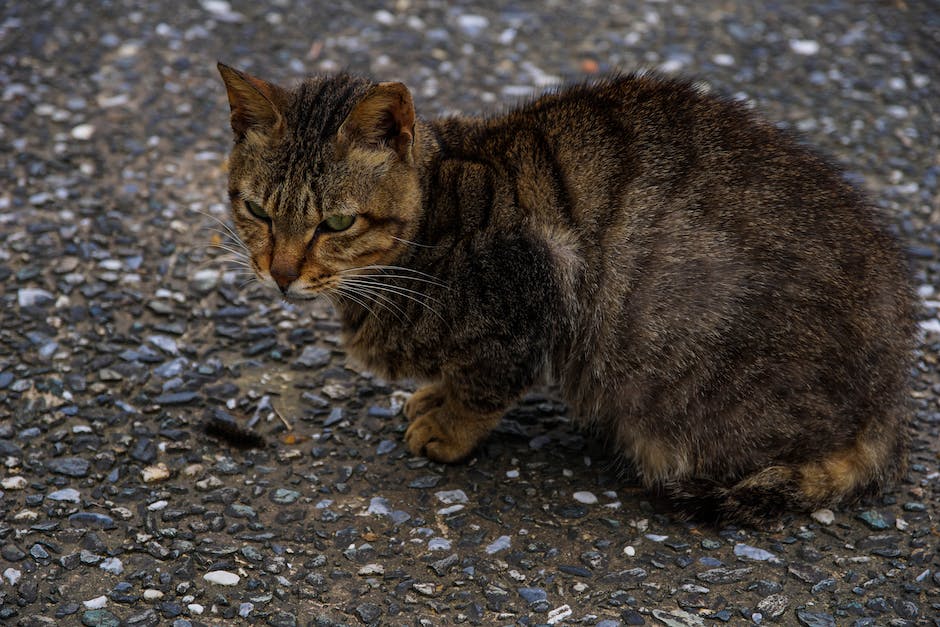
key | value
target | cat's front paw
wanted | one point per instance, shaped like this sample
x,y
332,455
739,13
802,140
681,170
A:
x,y
439,439
425,399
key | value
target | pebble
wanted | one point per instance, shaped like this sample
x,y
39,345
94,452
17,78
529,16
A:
x,y
283,496
754,553
678,618
379,506
472,25
313,357
372,569
586,498
439,544
12,575
368,613
806,47
83,131
33,297
222,578
874,519
96,603
500,544
14,483
112,565
449,497
773,605
815,619
70,466
100,618
823,516
158,472
724,575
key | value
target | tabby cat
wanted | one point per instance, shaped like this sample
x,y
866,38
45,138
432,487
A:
x,y
711,297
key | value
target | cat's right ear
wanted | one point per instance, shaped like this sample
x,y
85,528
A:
x,y
383,119
256,104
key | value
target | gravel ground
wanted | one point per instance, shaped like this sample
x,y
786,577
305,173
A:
x,y
121,332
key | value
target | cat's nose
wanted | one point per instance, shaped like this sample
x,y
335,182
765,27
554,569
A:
x,y
283,276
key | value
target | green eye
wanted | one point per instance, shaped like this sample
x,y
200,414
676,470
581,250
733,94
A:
x,y
256,210
339,222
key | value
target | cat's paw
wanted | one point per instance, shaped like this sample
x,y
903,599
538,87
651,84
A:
x,y
424,400
434,436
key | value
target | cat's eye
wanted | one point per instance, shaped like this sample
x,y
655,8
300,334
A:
x,y
339,222
257,211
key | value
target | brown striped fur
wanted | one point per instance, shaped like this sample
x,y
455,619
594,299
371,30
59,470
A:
x,y
711,296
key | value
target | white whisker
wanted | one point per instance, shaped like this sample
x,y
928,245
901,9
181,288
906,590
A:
x,y
379,299
395,288
408,241
408,294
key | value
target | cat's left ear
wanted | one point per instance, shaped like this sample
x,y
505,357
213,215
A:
x,y
255,103
384,118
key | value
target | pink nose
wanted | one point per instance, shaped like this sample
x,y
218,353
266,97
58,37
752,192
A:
x,y
283,275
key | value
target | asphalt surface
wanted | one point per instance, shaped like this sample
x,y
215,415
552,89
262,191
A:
x,y
122,331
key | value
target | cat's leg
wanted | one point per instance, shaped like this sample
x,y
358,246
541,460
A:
x,y
425,398
444,429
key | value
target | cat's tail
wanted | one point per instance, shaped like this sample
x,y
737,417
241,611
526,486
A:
x,y
877,457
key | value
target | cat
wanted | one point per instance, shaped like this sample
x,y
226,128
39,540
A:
x,y
712,298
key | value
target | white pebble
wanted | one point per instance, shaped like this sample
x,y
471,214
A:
x,y
29,296
587,498
930,326
452,509
427,589
512,474
629,551
155,473
156,506
96,604
83,131
151,594
472,25
222,578
823,516
195,608
372,569
500,544
806,47
14,483
383,17
656,537
12,575
112,565
723,59
449,497
559,614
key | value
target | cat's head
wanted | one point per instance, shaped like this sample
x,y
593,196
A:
x,y
322,178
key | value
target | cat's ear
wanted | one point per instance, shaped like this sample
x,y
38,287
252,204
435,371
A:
x,y
255,103
384,118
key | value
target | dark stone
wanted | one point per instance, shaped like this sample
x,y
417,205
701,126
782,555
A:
x,y
100,618
176,398
70,466
577,571
92,519
12,553
368,612
724,575
425,482
442,566
815,619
